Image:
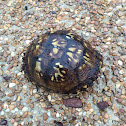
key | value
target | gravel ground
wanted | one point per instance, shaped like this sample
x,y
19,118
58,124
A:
x,y
101,22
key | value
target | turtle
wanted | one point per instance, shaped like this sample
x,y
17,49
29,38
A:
x,y
62,61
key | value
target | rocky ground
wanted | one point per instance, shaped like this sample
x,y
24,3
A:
x,y
101,22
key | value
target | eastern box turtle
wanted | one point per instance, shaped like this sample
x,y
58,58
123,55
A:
x,y
62,61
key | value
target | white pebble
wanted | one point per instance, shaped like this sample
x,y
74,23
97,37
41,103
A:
x,y
12,54
118,21
16,109
21,112
87,34
77,19
65,117
12,111
28,41
15,123
108,39
110,13
57,115
1,48
49,97
120,62
7,110
80,113
84,113
1,38
6,39
108,43
35,90
87,18
77,124
121,72
24,86
78,109
5,105
20,73
49,113
11,85
2,112
22,123
25,109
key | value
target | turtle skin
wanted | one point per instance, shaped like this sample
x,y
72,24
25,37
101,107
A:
x,y
62,61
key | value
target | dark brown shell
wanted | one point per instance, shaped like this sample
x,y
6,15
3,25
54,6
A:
x,y
62,61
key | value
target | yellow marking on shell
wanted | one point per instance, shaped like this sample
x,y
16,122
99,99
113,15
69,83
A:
x,y
68,37
58,63
56,43
50,54
84,65
87,54
63,71
58,73
100,63
85,86
76,60
60,66
69,59
37,46
78,92
62,42
71,35
79,51
80,68
40,40
62,79
78,38
55,50
54,40
72,49
40,59
41,74
52,78
88,63
70,54
28,60
38,75
38,66
85,44
86,58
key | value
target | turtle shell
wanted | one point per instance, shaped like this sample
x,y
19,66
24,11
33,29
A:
x,y
61,61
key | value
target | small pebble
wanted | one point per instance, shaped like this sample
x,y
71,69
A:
x,y
11,85
12,107
120,62
25,109
27,42
45,116
26,8
24,114
58,123
106,116
3,122
102,105
122,110
57,115
73,102
7,78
